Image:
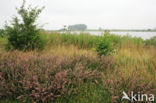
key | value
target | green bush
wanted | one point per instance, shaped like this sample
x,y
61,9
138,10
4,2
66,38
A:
x,y
25,35
105,45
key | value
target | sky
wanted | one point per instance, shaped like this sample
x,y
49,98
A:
x,y
107,14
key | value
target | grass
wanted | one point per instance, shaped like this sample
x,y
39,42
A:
x,y
89,93
91,78
87,41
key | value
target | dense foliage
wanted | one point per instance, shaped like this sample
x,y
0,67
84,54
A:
x,y
105,45
2,33
25,35
30,77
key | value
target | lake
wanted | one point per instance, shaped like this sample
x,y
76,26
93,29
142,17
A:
x,y
143,35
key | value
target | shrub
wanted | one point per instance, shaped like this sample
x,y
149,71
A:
x,y
105,45
25,35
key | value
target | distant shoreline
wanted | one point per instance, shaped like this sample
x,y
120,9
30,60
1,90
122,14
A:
x,y
122,30
107,30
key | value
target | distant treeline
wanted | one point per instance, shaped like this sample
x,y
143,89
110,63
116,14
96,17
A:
x,y
105,30
81,27
76,27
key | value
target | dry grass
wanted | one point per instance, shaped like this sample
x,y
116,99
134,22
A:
x,y
69,50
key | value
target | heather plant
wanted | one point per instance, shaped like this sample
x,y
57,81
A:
x,y
106,63
25,35
117,82
29,77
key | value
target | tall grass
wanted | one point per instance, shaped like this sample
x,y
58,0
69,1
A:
x,y
79,40
151,41
84,40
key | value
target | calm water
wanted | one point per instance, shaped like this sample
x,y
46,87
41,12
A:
x,y
143,35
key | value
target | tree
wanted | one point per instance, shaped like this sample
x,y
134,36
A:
x,y
24,34
105,46
2,33
78,27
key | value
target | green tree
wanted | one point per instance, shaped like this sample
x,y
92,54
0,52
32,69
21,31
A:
x,y
24,34
2,33
105,46
79,27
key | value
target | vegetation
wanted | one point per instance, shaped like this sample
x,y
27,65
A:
x,y
72,68
105,46
24,35
151,41
2,33
69,70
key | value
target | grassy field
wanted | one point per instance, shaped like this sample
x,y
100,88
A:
x,y
69,70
